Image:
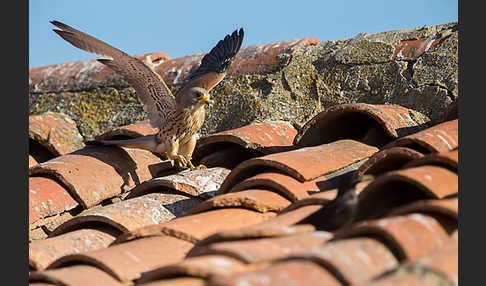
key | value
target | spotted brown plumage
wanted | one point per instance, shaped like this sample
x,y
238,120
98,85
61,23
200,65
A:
x,y
178,118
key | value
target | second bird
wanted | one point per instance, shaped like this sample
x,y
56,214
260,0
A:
x,y
178,117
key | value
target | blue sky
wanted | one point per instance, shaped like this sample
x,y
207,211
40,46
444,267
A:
x,y
183,27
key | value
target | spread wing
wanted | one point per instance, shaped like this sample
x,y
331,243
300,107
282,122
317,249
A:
x,y
215,63
153,93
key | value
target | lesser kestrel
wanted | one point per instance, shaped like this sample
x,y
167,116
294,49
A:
x,y
178,118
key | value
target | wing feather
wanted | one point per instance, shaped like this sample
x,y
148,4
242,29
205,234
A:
x,y
153,93
215,64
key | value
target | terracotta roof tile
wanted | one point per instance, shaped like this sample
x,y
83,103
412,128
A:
x,y
197,226
126,261
396,188
133,213
303,164
449,160
388,160
254,199
202,183
413,49
442,137
293,272
114,170
202,267
44,252
47,198
180,281
134,130
408,237
352,260
32,161
266,249
80,75
75,275
438,268
371,124
52,134
251,140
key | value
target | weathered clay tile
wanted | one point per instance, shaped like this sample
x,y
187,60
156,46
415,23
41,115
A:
x,y
410,50
81,75
75,275
264,249
55,132
292,273
305,164
449,160
179,281
202,267
254,199
134,213
291,188
408,237
372,124
127,261
388,160
197,226
352,261
438,268
96,173
256,139
442,137
254,231
262,58
135,130
290,218
44,252
47,198
396,188
202,183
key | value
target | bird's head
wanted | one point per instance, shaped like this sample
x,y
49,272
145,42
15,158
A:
x,y
195,97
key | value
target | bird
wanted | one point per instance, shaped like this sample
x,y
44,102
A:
x,y
179,117
342,210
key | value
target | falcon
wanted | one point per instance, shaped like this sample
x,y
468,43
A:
x,y
178,117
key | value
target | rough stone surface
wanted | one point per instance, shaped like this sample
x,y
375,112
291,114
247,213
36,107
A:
x,y
310,78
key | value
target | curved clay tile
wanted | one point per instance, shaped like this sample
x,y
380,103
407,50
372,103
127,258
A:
x,y
263,249
47,198
371,124
195,227
449,160
408,237
96,173
297,272
52,134
442,137
135,130
351,261
228,148
75,275
127,261
254,199
201,267
132,213
304,164
32,161
202,183
44,252
397,188
388,160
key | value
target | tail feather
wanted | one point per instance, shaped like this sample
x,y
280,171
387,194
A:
x,y
147,142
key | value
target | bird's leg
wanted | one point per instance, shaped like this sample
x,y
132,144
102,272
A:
x,y
173,156
186,150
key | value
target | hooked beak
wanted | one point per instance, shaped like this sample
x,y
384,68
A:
x,y
205,99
